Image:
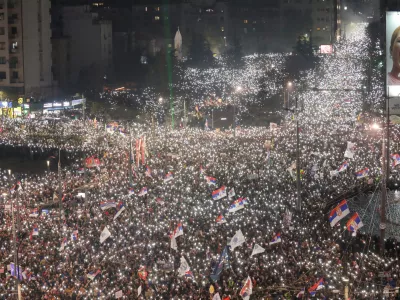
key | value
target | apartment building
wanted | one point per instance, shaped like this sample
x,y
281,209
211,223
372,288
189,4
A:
x,y
90,44
25,47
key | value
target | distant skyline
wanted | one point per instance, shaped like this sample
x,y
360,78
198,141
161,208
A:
x,y
115,3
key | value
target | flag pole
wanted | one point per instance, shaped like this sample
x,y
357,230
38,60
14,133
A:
x,y
130,159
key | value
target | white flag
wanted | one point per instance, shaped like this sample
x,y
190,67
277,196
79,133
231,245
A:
x,y
174,245
184,267
231,193
237,239
119,212
139,291
257,250
349,153
216,297
105,234
118,294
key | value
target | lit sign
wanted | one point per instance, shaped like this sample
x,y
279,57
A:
x,y
47,105
326,49
223,119
26,106
77,102
57,104
66,103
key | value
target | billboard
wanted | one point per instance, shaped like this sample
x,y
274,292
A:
x,y
393,53
326,49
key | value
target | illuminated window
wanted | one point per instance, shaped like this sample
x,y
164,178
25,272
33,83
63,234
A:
x,y
157,8
145,9
245,21
222,29
156,18
318,28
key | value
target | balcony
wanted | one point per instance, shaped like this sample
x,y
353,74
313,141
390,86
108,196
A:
x,y
12,36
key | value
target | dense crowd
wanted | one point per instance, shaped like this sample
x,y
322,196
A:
x,y
197,214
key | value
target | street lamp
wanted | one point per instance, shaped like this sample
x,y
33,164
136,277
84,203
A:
x,y
48,166
288,87
238,89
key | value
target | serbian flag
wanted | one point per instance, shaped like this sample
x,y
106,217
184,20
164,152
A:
x,y
396,159
354,223
247,289
189,274
107,204
219,193
131,191
300,294
238,204
74,235
362,173
34,232
142,273
317,286
34,213
276,239
168,177
211,180
143,191
178,230
338,213
92,275
148,172
343,167
221,219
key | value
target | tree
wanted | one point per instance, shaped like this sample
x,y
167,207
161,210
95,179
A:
x,y
304,45
200,53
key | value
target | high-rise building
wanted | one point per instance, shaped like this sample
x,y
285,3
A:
x,y
25,47
91,45
210,18
324,22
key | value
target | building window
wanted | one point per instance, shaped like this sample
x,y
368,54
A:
x,y
2,46
145,9
15,75
2,31
3,75
157,8
222,29
1,16
318,28
245,21
14,30
157,18
3,60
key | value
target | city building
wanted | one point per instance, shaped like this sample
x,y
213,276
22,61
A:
x,y
256,24
91,46
324,22
155,25
209,18
61,56
25,47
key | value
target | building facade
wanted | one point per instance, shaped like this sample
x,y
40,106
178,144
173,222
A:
x,y
25,47
209,18
91,45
